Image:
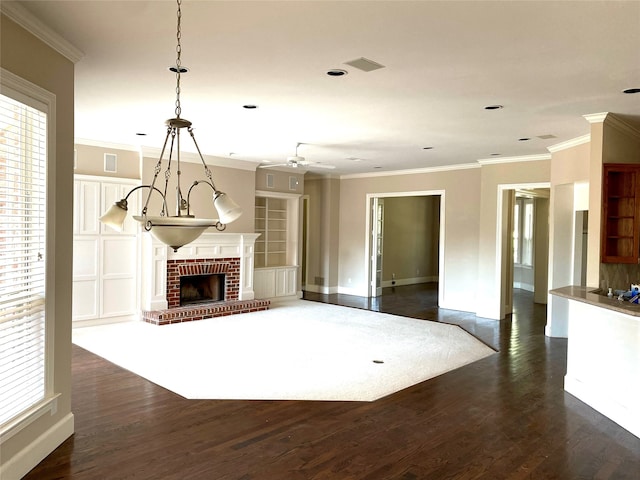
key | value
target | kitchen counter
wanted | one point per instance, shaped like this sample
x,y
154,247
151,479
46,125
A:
x,y
603,354
595,297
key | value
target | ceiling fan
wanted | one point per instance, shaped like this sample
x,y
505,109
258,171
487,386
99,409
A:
x,y
298,162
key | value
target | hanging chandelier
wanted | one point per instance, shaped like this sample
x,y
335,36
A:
x,y
184,227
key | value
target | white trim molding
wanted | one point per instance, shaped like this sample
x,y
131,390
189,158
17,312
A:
x,y
23,461
414,171
619,124
523,158
192,157
24,18
574,142
596,117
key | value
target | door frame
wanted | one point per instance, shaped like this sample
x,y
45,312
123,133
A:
x,y
377,237
504,254
368,232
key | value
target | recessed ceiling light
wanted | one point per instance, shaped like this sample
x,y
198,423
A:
x,y
427,148
631,90
524,139
336,72
250,107
174,69
493,107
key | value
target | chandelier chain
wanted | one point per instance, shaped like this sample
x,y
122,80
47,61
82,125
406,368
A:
x,y
178,62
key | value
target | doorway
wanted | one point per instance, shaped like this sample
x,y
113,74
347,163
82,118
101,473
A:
x,y
405,240
523,240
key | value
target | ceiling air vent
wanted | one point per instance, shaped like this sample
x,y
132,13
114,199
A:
x,y
364,64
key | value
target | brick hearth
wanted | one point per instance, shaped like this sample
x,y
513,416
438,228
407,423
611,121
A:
x,y
203,310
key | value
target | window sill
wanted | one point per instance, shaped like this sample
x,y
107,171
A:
x,y
28,417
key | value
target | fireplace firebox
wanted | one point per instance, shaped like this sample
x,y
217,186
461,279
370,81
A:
x,y
202,288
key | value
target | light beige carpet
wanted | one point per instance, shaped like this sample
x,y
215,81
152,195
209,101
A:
x,y
297,350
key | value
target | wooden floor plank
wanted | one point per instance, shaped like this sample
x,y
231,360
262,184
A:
x,y
503,417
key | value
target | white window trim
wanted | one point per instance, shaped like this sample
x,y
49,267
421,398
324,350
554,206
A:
x,y
30,94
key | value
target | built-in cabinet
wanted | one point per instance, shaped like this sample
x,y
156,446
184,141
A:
x,y
272,224
620,241
276,249
275,282
105,266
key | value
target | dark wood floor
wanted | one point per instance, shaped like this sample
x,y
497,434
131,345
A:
x,y
503,417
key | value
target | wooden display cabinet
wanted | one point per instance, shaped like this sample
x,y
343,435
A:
x,y
620,231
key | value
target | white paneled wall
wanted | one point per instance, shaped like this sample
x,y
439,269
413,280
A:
x,y
105,262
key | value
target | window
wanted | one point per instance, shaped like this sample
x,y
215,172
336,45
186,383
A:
x,y
523,231
23,161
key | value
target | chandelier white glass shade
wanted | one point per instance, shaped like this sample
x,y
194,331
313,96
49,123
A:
x,y
183,228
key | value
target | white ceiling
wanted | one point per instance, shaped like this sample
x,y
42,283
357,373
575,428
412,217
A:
x,y
547,62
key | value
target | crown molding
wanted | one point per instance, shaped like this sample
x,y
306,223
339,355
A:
x,y
523,158
24,18
574,142
414,171
619,124
210,160
107,145
596,117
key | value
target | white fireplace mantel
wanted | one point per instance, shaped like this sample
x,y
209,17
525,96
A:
x,y
209,245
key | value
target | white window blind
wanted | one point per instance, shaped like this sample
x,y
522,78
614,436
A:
x,y
23,134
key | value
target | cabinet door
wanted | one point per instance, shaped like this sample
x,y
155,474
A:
x,y
87,207
264,283
286,281
620,230
118,288
86,279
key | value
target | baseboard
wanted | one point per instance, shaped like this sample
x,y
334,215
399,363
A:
x,y
358,292
26,459
321,289
524,286
399,282
316,289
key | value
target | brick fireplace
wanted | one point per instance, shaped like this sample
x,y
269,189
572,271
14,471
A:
x,y
227,255
178,269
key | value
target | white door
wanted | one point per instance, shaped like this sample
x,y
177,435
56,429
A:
x,y
377,233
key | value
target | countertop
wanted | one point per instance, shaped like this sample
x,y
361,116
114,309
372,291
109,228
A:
x,y
592,296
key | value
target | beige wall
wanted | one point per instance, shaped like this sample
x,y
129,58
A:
x,y
461,202
238,184
26,56
90,161
281,180
411,236
491,268
323,235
